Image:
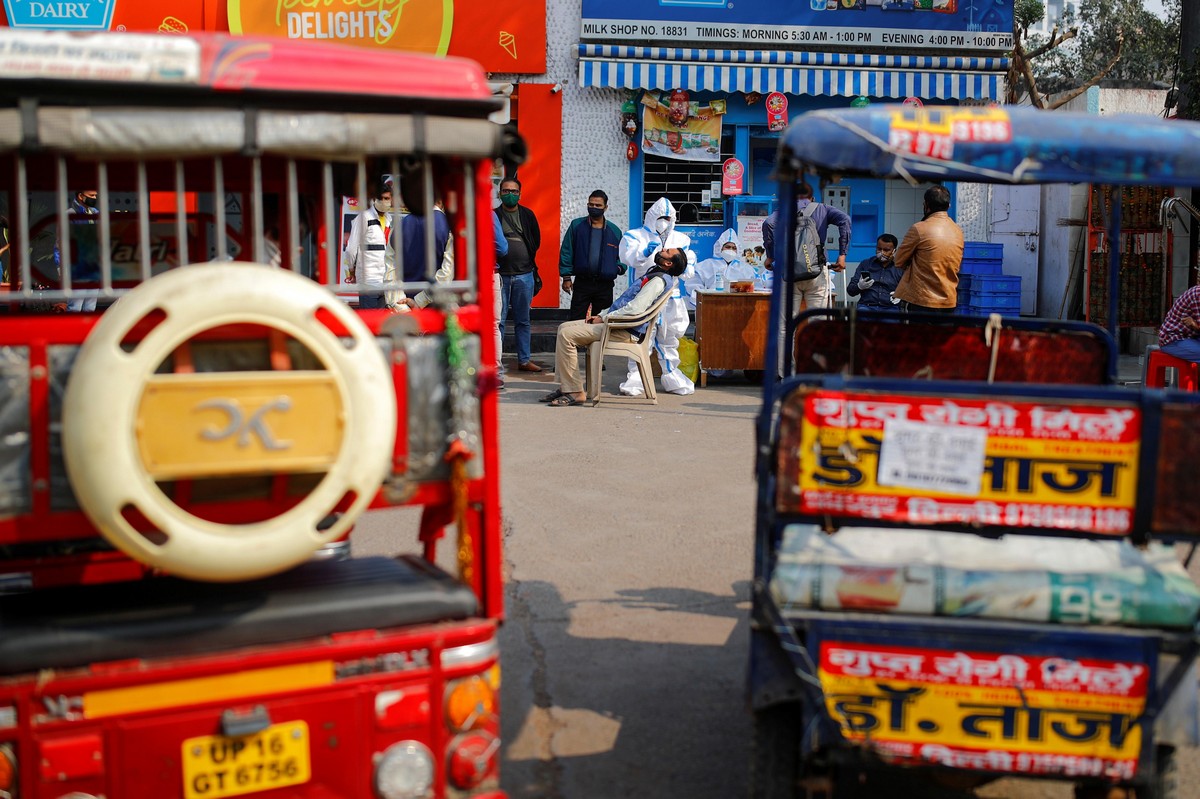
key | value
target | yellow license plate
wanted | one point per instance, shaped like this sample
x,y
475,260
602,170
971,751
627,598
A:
x,y
215,766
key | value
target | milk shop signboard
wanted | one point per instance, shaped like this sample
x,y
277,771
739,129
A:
x,y
982,26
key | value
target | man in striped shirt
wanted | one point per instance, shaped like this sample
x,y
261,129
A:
x,y
1180,332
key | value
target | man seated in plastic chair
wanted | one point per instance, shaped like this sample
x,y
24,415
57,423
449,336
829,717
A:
x,y
635,301
1180,332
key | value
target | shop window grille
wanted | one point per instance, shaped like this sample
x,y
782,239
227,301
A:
x,y
685,184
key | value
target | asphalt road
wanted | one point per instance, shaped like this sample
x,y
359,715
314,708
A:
x,y
628,533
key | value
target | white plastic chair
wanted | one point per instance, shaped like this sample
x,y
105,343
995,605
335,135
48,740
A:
x,y
638,350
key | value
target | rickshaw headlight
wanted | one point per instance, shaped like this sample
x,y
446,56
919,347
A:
x,y
404,771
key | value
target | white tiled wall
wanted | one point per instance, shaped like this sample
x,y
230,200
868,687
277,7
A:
x,y
904,205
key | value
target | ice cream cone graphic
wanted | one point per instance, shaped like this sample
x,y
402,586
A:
x,y
509,43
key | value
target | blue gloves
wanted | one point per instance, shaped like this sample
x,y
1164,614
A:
x,y
650,248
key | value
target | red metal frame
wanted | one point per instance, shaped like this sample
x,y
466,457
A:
x,y
140,747
137,753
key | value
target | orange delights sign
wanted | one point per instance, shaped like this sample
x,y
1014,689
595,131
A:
x,y
508,37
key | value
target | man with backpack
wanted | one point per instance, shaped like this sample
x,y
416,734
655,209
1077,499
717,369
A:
x,y
588,261
811,281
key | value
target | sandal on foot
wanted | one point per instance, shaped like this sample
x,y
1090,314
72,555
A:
x,y
552,396
564,400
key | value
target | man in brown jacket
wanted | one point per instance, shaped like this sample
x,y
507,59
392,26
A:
x,y
931,255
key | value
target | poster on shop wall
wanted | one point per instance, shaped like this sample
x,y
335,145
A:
x,y
674,126
750,236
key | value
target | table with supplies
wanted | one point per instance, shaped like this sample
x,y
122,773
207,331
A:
x,y
731,330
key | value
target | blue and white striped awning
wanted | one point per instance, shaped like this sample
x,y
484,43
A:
x,y
792,72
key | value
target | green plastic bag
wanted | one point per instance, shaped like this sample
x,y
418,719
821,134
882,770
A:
x,y
689,358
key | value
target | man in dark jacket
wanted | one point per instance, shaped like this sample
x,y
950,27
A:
x,y
517,268
877,277
412,248
587,259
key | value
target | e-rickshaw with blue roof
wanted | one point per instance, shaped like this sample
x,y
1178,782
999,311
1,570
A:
x,y
965,563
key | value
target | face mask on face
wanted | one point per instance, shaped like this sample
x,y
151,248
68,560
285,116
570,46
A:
x,y
91,202
595,213
729,255
383,206
661,225
803,203
510,199
881,255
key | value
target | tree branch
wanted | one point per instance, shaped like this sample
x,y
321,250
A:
x,y
1071,95
1055,40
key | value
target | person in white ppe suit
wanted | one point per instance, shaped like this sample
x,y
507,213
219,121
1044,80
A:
x,y
637,251
726,262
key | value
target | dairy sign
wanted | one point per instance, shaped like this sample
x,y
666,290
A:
x,y
78,15
936,460
902,25
987,711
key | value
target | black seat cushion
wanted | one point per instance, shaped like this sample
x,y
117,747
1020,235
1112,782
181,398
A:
x,y
63,628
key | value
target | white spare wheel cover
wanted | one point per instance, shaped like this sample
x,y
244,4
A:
x,y
126,427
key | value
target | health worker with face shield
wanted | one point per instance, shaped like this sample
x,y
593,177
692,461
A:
x,y
726,264
637,251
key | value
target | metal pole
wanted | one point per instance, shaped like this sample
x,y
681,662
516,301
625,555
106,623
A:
x,y
1189,42
1114,261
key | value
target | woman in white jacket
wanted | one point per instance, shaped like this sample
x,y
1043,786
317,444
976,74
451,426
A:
x,y
637,252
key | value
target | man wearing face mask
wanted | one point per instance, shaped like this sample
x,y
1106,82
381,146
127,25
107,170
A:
x,y
876,277
587,260
84,203
726,262
665,269
816,292
368,254
931,255
637,250
517,268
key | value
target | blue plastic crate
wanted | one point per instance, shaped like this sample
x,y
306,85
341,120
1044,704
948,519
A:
x,y
1000,284
980,266
971,310
985,250
994,302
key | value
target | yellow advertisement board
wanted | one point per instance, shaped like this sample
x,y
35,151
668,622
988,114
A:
x,y
989,711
